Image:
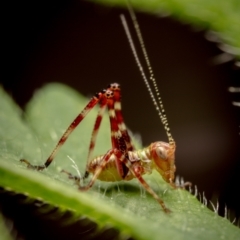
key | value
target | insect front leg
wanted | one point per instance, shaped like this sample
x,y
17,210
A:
x,y
137,171
123,143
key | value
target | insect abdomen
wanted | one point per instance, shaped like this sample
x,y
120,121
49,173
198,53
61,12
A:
x,y
109,173
112,172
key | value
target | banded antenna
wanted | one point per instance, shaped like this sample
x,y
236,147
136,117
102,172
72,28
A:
x,y
157,101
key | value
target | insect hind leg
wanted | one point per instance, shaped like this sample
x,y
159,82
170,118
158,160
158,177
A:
x,y
34,167
115,153
77,179
94,100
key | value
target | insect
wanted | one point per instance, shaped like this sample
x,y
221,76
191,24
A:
x,y
123,161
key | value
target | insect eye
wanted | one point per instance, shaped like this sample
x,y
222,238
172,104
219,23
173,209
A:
x,y
161,152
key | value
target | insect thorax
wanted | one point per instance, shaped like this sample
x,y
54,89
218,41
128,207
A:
x,y
110,173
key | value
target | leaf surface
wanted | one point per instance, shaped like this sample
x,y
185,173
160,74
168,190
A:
x,y
122,205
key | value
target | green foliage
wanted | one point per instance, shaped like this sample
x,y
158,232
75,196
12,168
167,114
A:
x,y
220,16
124,206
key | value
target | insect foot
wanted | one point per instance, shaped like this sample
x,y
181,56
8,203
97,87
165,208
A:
x,y
30,166
76,179
165,209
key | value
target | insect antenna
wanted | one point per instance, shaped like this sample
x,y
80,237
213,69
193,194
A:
x,y
157,101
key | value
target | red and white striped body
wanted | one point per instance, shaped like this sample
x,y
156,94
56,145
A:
x,y
122,161
159,156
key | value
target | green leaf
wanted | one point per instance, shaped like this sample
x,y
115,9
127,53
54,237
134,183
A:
x,y
122,205
220,16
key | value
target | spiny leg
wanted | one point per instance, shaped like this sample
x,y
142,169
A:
x,y
119,135
97,124
96,128
150,190
116,119
112,100
137,170
121,141
112,97
122,159
105,159
69,130
76,179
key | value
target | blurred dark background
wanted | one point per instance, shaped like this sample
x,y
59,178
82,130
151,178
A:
x,y
84,46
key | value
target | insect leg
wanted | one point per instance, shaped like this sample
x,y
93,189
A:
x,y
92,143
116,118
136,171
120,139
95,130
64,137
72,177
112,153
